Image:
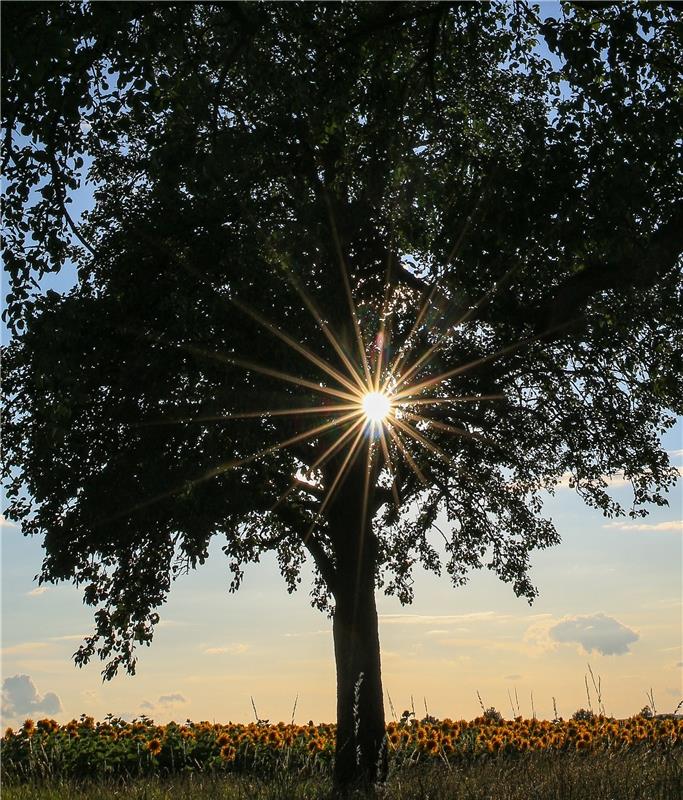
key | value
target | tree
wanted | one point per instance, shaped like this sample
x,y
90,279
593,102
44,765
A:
x,y
273,183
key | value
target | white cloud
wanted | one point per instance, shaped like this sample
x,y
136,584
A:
x,y
595,633
37,591
675,453
69,637
305,634
669,525
5,523
236,648
20,698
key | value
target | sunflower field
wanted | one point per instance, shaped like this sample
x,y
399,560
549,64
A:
x,y
116,748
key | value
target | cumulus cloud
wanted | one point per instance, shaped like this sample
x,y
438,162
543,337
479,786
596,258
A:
x,y
172,699
165,702
596,632
20,698
669,525
37,591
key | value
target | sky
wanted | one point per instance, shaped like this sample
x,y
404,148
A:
x,y
610,598
609,602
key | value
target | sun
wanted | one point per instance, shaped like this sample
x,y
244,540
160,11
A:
x,y
376,406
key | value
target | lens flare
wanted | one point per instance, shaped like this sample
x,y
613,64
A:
x,y
376,406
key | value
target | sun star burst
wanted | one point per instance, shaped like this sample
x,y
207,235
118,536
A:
x,y
376,406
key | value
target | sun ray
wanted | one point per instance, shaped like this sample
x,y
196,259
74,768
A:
x,y
406,454
497,286
390,466
397,365
327,332
382,344
415,434
214,472
278,412
330,492
310,305
436,379
312,357
402,354
322,458
347,289
274,373
435,401
364,522
444,426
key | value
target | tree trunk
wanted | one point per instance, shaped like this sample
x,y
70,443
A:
x,y
361,751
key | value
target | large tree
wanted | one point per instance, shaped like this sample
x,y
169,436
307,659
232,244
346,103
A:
x,y
469,209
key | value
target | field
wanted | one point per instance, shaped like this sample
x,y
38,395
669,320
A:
x,y
488,758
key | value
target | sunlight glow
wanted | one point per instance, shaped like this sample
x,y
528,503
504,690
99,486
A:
x,y
387,405
376,406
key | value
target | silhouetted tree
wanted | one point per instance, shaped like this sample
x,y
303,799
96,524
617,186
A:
x,y
522,211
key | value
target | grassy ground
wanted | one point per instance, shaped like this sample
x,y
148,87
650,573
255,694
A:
x,y
627,775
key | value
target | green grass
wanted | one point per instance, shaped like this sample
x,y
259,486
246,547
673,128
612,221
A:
x,y
634,774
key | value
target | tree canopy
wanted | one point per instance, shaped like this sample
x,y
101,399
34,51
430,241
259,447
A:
x,y
498,191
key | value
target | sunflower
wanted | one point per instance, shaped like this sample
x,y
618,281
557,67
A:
x,y
154,747
228,752
273,737
394,738
28,727
222,740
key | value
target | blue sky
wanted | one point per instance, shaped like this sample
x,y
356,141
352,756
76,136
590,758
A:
x,y
610,596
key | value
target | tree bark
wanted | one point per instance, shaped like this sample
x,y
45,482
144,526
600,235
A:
x,y
361,751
